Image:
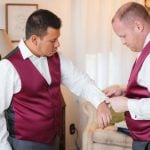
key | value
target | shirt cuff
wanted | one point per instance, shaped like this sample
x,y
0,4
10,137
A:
x,y
133,107
97,100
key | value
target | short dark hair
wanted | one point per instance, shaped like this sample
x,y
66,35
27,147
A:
x,y
39,21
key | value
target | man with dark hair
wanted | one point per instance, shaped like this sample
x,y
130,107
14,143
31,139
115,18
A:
x,y
30,95
132,24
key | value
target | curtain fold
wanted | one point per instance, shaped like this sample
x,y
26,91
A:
x,y
88,39
96,49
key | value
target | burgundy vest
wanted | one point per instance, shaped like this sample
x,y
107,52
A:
x,y
139,129
34,113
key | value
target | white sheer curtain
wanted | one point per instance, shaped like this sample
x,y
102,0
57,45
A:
x,y
87,38
96,49
94,46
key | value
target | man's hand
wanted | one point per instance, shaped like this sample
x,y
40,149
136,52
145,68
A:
x,y
119,104
103,115
114,90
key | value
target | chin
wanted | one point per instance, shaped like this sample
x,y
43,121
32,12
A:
x,y
50,55
134,50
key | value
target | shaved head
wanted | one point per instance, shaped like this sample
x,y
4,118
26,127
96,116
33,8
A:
x,y
131,11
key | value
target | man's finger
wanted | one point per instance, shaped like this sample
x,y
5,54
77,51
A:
x,y
100,123
107,101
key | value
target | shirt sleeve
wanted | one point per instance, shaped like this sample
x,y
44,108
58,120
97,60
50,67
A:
x,y
80,83
8,79
3,134
140,109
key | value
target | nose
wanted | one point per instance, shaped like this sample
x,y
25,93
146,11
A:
x,y
57,43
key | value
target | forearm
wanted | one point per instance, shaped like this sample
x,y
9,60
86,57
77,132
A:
x,y
80,83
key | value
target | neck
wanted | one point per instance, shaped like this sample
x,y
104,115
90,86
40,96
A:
x,y
32,48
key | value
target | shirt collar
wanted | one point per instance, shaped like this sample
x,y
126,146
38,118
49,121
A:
x,y
26,53
145,43
147,40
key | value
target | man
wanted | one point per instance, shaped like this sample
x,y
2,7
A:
x,y
132,24
30,96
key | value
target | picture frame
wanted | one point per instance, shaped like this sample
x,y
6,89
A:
x,y
16,17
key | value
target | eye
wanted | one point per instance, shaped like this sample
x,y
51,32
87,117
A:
x,y
122,36
52,41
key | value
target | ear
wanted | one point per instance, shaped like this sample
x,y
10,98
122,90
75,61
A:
x,y
138,26
34,40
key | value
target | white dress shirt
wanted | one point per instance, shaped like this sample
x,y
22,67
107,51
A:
x,y
140,109
77,81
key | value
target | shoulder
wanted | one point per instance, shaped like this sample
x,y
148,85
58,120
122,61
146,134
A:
x,y
6,65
